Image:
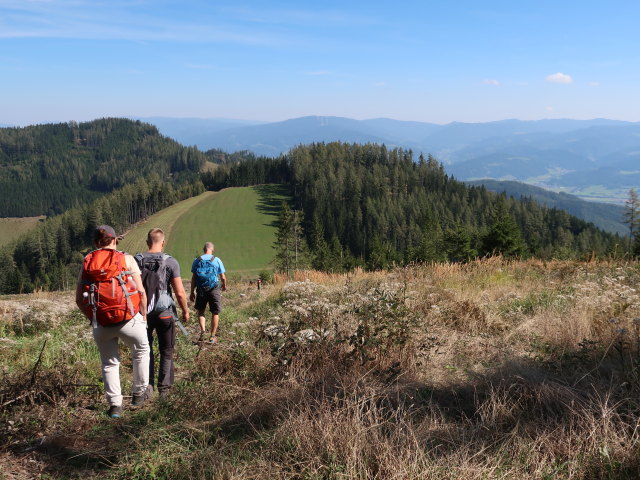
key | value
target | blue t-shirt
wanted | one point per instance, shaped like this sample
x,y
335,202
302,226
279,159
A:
x,y
217,263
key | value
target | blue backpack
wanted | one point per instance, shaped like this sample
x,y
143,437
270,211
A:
x,y
206,274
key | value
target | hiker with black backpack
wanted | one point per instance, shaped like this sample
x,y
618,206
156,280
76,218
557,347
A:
x,y
161,275
111,294
207,280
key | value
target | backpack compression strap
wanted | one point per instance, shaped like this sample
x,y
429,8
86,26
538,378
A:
x,y
125,291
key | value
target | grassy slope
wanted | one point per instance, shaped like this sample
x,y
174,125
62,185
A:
x,y
134,240
240,222
12,228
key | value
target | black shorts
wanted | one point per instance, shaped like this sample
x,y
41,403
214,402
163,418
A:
x,y
212,297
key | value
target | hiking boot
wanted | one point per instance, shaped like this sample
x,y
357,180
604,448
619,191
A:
x,y
138,400
115,411
163,394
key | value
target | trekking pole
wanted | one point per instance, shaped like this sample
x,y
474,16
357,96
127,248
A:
x,y
182,329
179,323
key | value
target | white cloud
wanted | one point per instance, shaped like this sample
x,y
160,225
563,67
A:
x,y
492,82
559,78
594,84
549,109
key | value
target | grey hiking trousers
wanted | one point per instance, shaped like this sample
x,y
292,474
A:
x,y
134,334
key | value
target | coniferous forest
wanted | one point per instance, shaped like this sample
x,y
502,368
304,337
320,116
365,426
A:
x,y
352,205
46,169
364,205
112,171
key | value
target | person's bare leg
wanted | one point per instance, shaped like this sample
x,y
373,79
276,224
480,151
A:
x,y
202,319
215,318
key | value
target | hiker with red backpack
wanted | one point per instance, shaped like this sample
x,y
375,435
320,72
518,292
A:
x,y
161,275
207,280
111,294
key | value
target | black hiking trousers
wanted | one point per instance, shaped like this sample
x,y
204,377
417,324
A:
x,y
164,325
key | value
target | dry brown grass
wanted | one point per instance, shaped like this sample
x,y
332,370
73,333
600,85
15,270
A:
x,y
493,369
512,370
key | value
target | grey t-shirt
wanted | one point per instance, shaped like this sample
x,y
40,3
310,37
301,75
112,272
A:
x,y
173,271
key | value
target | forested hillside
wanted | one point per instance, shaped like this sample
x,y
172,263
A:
x,y
353,205
50,256
603,215
46,169
366,205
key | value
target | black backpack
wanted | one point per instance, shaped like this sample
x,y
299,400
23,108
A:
x,y
154,278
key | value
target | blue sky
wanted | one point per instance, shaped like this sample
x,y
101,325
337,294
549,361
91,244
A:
x,y
468,61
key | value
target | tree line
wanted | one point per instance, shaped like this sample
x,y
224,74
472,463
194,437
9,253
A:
x,y
366,205
46,169
352,205
49,257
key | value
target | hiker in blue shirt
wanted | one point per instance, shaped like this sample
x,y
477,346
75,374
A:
x,y
207,282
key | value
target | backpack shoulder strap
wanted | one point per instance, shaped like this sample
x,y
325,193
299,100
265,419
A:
x,y
139,258
163,263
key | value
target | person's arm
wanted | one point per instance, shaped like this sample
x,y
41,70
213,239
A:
x,y
181,296
79,299
192,297
223,278
143,295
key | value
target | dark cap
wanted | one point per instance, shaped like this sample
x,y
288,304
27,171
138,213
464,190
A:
x,y
104,234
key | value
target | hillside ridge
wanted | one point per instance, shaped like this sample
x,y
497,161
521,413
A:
x,y
599,149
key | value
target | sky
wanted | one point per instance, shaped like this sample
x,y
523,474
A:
x,y
429,61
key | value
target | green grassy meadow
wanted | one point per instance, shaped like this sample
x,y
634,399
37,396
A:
x,y
241,222
12,228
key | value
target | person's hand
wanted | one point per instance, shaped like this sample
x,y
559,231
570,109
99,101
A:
x,y
224,287
185,316
192,297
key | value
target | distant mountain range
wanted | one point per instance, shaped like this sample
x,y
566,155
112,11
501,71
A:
x,y
272,139
595,159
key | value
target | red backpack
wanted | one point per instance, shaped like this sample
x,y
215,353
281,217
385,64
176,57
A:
x,y
109,293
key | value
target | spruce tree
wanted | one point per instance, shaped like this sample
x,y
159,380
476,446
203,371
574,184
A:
x,y
291,248
457,243
504,236
632,217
